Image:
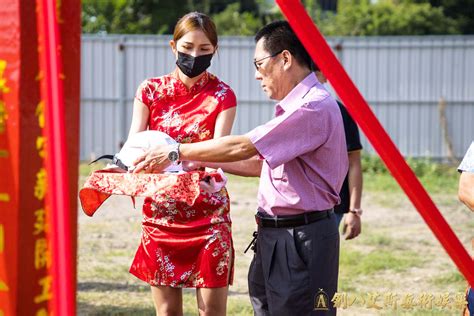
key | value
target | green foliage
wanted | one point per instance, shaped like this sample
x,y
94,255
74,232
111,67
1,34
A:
x,y
232,21
117,16
423,167
387,17
245,17
435,177
460,10
373,164
154,16
141,16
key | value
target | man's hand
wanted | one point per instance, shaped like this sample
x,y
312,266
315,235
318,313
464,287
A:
x,y
352,226
153,161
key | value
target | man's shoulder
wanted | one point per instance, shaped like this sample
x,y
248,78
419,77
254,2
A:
x,y
318,92
318,98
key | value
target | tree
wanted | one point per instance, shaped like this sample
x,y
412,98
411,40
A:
x,y
232,21
142,16
109,16
385,17
460,10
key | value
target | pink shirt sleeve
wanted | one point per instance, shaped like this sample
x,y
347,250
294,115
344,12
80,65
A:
x,y
293,133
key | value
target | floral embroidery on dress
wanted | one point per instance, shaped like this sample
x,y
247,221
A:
x,y
171,119
220,94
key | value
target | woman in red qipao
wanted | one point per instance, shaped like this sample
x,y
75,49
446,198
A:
x,y
187,246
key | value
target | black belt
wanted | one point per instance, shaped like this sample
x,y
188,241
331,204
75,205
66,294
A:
x,y
282,221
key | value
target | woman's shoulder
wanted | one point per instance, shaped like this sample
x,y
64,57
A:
x,y
156,82
222,91
156,88
218,82
220,86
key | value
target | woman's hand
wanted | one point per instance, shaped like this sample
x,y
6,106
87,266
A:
x,y
153,161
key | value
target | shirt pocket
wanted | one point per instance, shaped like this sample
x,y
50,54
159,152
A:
x,y
278,173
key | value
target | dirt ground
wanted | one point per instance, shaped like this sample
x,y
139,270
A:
x,y
396,253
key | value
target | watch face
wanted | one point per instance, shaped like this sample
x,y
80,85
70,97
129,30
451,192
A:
x,y
173,156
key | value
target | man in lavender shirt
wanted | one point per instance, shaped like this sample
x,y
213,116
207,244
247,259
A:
x,y
301,159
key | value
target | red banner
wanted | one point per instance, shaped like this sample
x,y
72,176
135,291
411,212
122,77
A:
x,y
321,53
26,281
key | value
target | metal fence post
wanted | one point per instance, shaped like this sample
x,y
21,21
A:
x,y
122,89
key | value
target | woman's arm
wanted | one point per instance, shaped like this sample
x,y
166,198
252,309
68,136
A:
x,y
352,222
139,117
355,179
224,122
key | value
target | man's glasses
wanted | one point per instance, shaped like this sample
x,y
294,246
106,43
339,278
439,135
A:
x,y
271,56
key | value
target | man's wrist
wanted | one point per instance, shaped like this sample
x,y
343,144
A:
x,y
356,211
173,154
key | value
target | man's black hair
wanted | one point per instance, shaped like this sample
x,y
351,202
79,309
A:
x,y
279,36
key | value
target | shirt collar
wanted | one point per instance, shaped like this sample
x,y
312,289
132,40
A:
x,y
298,92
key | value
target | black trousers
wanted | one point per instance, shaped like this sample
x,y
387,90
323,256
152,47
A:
x,y
295,270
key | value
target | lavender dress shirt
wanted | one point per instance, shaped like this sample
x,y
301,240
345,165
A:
x,y
304,152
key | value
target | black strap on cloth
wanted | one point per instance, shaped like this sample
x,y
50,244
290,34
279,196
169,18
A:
x,y
115,160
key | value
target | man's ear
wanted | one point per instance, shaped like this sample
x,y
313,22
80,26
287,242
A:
x,y
287,58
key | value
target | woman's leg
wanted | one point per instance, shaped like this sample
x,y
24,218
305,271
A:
x,y
168,301
212,302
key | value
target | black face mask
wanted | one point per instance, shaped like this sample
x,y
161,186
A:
x,y
193,66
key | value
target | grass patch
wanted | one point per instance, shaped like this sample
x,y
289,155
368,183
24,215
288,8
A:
x,y
119,303
113,253
354,262
105,272
423,312
377,240
448,279
85,169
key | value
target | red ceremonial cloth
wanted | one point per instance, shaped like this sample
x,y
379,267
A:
x,y
160,187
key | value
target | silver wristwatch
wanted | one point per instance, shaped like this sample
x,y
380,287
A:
x,y
173,155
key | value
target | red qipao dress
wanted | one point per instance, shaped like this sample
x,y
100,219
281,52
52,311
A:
x,y
182,245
